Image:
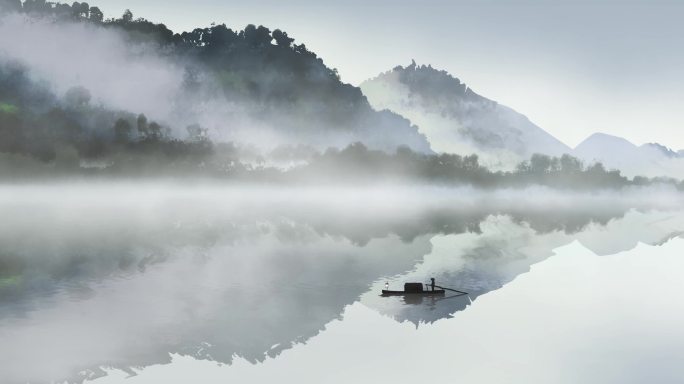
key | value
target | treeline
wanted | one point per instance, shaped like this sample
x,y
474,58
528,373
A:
x,y
357,162
36,124
42,135
142,150
436,85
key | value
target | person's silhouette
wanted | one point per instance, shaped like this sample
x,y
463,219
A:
x,y
432,284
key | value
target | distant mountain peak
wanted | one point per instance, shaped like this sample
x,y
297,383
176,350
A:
x,y
651,159
456,119
600,138
668,152
432,83
604,141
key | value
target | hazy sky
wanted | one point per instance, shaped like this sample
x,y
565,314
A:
x,y
573,67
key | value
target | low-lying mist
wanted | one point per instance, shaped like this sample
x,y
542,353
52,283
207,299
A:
x,y
119,74
95,229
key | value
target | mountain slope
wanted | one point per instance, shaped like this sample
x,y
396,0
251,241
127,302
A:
x,y
254,86
615,152
456,119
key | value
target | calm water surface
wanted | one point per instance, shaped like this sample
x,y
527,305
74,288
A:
x,y
214,283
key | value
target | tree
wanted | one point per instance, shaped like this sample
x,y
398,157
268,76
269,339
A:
x,y
96,14
11,129
257,36
122,130
597,168
36,6
12,5
540,164
63,10
194,37
80,9
640,180
143,129
282,39
471,162
523,167
569,164
218,36
127,16
77,97
155,130
196,132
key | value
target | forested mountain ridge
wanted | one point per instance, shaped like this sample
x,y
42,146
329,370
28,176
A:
x,y
83,95
456,119
254,86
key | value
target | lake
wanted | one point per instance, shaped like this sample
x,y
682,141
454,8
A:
x,y
168,282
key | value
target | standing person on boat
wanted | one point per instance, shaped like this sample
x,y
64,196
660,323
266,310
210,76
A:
x,y
432,283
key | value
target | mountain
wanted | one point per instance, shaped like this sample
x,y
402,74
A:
x,y
255,87
101,92
455,119
663,150
605,146
652,159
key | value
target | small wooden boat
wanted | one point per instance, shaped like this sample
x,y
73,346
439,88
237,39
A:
x,y
436,292
413,289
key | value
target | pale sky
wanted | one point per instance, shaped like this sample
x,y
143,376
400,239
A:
x,y
573,67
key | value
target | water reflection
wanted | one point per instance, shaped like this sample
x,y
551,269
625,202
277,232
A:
x,y
575,318
122,276
482,262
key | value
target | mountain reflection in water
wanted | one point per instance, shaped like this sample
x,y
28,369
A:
x,y
122,276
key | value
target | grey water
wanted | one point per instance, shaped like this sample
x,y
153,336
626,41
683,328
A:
x,y
107,282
